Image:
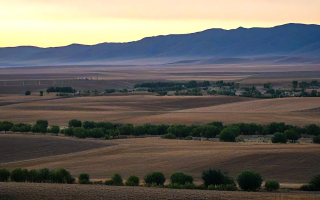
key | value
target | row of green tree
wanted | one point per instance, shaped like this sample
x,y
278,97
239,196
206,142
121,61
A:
x,y
61,89
213,179
281,132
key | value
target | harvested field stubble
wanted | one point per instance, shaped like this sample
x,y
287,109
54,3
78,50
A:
x,y
28,191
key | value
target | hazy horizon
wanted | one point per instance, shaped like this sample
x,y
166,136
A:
x,y
58,23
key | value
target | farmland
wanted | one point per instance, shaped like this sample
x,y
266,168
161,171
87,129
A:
x,y
28,191
139,156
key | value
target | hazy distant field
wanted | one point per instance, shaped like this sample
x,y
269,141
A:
x,y
141,108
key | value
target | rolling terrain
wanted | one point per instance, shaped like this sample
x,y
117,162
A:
x,y
289,43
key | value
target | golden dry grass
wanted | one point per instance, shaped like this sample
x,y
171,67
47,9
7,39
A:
x,y
29,191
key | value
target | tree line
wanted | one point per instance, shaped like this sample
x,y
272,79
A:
x,y
213,179
227,133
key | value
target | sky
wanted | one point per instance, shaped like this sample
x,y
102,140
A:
x,y
50,23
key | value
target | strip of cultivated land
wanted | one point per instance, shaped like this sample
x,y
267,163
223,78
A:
x,y
29,191
141,108
290,163
16,147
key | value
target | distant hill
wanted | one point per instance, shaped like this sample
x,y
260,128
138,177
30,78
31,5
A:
x,y
289,43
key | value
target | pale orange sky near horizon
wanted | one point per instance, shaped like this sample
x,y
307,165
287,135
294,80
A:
x,y
49,23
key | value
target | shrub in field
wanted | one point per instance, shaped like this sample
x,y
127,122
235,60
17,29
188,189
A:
x,y
189,186
44,175
155,178
54,129
126,129
211,187
96,133
133,181
88,125
180,131
181,178
117,180
217,124
4,175
272,185
27,93
292,135
75,123
316,139
79,132
19,175
6,126
315,182
61,176
208,131
168,136
279,138
109,182
84,179
215,177
228,135
249,180
312,129
113,133
227,187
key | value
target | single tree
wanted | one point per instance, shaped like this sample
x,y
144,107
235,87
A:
x,y
249,180
155,178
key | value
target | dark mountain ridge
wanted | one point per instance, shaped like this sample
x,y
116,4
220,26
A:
x,y
291,42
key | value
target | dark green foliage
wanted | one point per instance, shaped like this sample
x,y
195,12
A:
x,y
279,138
217,124
315,182
23,128
79,132
33,176
208,131
155,178
44,175
27,93
19,175
75,123
168,136
61,89
54,129
38,129
181,178
96,133
117,180
272,185
250,129
228,135
88,125
4,175
215,177
316,139
312,129
41,93
84,179
61,176
180,131
68,131
126,129
105,125
108,91
292,135
109,182
6,126
249,180
43,123
113,133
133,181
276,127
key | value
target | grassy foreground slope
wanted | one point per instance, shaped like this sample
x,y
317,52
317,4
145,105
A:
x,y
28,191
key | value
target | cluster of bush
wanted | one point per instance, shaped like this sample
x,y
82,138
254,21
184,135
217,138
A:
x,y
227,133
213,179
61,89
37,176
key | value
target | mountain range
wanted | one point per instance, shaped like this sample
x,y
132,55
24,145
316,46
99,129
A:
x,y
289,43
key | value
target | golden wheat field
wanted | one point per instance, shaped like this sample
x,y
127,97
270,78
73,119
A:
x,y
29,191
140,108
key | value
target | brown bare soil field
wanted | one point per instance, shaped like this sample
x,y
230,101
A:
x,y
113,108
15,148
28,191
290,163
